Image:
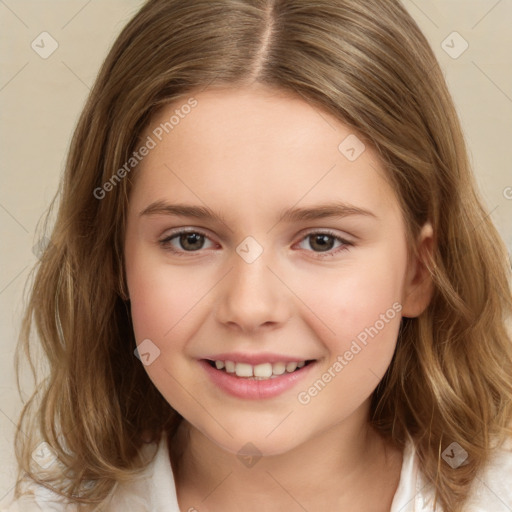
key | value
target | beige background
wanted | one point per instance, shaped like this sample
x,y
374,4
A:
x,y
40,100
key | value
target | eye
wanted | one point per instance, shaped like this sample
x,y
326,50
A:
x,y
182,242
324,243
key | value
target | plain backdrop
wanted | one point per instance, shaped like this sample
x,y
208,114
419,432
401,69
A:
x,y
41,98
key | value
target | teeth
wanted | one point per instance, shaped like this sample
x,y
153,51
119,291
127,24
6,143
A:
x,y
262,371
290,367
278,368
243,370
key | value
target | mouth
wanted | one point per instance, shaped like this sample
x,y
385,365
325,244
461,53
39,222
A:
x,y
263,371
264,380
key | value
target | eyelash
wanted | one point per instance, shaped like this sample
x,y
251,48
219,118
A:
x,y
165,243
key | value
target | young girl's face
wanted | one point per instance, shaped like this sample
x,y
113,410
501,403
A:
x,y
295,252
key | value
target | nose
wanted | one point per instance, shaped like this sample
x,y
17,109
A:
x,y
252,297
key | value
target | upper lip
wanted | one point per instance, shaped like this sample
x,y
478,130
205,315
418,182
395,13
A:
x,y
254,359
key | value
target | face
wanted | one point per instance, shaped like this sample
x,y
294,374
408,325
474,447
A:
x,y
259,236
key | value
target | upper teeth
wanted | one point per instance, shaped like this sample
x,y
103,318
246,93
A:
x,y
259,371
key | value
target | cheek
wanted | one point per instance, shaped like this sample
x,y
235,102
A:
x,y
161,294
158,296
363,314
354,297
163,302
359,304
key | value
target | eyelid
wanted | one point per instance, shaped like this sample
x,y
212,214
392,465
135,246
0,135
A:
x,y
188,229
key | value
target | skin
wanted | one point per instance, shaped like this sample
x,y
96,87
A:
x,y
248,154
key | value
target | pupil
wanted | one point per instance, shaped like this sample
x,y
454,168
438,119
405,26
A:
x,y
323,242
191,241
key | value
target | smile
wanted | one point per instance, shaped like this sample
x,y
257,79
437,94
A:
x,y
260,371
256,381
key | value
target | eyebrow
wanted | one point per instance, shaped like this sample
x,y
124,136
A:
x,y
328,210
181,210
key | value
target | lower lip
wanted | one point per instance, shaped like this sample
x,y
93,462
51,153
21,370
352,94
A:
x,y
249,389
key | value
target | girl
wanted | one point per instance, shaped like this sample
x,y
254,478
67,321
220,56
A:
x,y
271,284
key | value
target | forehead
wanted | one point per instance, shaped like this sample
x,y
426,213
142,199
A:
x,y
237,145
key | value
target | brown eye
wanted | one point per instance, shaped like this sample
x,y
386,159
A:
x,y
321,242
191,241
324,243
186,241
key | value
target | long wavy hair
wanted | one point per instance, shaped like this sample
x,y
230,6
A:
x,y
367,63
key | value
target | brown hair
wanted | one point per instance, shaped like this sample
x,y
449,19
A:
x,y
367,63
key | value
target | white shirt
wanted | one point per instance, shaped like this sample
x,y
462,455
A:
x,y
154,490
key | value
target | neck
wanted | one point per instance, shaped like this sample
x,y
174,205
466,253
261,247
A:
x,y
344,465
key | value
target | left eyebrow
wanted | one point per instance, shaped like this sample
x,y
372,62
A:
x,y
335,209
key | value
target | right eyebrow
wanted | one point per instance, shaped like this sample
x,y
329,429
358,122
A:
x,y
182,210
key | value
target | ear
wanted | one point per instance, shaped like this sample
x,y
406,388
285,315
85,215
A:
x,y
418,287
